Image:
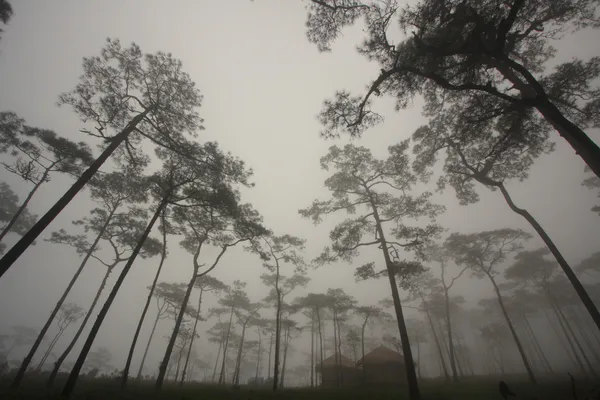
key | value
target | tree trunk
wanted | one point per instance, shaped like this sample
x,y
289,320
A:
x,y
19,248
139,374
15,217
258,355
335,352
23,368
449,332
49,350
88,315
277,329
566,333
138,329
270,354
411,374
222,374
238,362
581,292
513,332
179,357
217,361
187,358
564,346
536,344
72,380
577,343
285,350
312,349
584,336
163,366
435,338
418,360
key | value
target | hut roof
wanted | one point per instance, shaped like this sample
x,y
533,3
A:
x,y
331,362
382,355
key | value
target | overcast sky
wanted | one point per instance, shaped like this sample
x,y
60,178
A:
x,y
263,85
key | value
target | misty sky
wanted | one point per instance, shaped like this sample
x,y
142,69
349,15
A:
x,y
263,85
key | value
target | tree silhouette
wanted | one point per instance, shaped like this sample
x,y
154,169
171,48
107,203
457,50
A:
x,y
465,53
491,152
9,206
482,252
6,12
128,96
360,180
593,183
36,154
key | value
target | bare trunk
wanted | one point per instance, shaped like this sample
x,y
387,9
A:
x,y
23,368
19,248
88,315
136,335
139,374
222,374
312,349
449,332
581,292
285,350
320,342
49,350
277,330
189,352
163,366
270,354
513,332
536,344
435,338
217,361
72,380
238,363
362,348
258,355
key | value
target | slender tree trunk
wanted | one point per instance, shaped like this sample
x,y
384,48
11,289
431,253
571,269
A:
x,y
285,350
23,206
189,352
564,346
179,357
258,355
217,361
141,368
312,349
23,368
339,351
238,362
513,332
411,374
277,330
536,344
222,375
435,338
362,349
88,315
72,380
138,329
449,332
320,342
581,292
577,343
335,352
418,360
49,350
270,354
584,336
19,248
162,369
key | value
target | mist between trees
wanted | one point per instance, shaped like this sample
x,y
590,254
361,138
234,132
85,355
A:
x,y
495,103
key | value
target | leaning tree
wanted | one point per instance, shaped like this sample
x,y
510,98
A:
x,y
127,99
465,52
483,252
383,188
9,206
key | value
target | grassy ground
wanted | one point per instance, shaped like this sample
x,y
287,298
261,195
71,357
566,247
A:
x,y
474,389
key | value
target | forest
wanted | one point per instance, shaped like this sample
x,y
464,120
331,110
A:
x,y
336,199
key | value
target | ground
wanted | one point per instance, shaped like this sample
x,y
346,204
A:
x,y
468,389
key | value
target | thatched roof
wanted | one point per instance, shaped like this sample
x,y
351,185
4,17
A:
x,y
382,355
331,362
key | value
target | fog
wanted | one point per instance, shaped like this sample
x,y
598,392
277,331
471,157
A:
x,y
263,85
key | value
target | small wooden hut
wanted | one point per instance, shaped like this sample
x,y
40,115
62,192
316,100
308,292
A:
x,y
338,372
382,366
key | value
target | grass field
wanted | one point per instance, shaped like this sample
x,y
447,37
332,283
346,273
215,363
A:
x,y
469,389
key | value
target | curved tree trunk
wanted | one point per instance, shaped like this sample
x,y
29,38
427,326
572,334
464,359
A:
x,y
19,248
513,332
581,292
138,329
189,352
23,206
23,368
163,366
65,353
72,380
